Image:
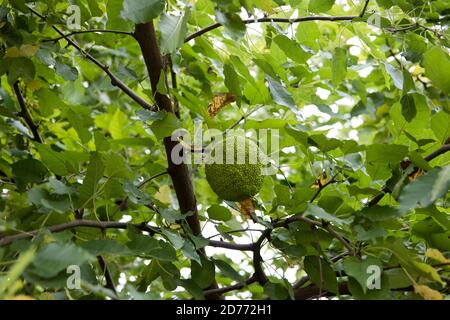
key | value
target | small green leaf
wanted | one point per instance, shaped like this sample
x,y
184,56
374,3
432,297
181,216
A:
x,y
142,11
437,68
313,265
165,127
217,212
339,66
28,171
232,22
280,94
320,5
426,189
409,110
88,191
203,274
55,257
173,31
228,271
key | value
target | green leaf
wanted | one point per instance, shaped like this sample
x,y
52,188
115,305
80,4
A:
x,y
42,198
313,266
118,122
56,257
53,160
232,23
165,127
437,67
291,49
20,68
88,191
426,189
313,210
361,270
232,80
440,124
380,213
102,247
308,33
203,274
279,93
339,66
276,291
228,271
28,171
408,107
396,75
142,11
320,5
174,238
69,73
386,153
173,31
217,212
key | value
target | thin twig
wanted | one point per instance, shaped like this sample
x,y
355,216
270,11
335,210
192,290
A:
x,y
25,114
5,240
283,20
88,31
108,277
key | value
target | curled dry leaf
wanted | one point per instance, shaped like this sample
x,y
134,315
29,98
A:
x,y
219,101
247,208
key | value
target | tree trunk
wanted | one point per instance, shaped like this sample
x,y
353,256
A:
x,y
179,173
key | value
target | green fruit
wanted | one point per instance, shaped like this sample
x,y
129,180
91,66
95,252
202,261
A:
x,y
240,179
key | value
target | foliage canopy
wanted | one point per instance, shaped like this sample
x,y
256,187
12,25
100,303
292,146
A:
x,y
359,94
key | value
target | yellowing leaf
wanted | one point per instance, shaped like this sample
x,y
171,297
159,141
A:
x,y
22,297
26,50
436,255
427,293
428,270
34,85
163,194
219,101
12,52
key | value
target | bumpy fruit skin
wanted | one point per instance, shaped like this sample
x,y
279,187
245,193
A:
x,y
236,181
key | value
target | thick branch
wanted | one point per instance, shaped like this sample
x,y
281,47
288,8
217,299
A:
x,y
283,20
25,114
115,81
181,177
236,286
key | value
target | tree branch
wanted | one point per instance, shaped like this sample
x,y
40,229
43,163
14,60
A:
x,y
105,270
5,240
88,31
282,20
236,286
25,114
115,81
